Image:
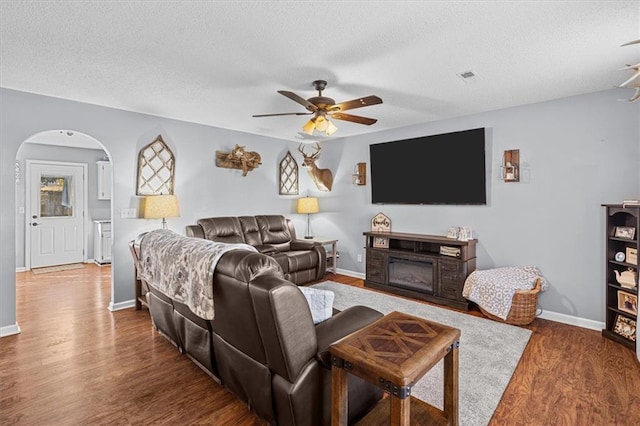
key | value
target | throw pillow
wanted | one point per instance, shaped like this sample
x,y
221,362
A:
x,y
320,302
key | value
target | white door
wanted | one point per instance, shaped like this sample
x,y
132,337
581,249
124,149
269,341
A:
x,y
56,213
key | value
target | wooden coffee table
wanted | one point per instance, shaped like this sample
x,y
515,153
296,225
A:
x,y
393,353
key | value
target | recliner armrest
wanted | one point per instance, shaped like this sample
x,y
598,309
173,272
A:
x,y
340,325
303,244
195,231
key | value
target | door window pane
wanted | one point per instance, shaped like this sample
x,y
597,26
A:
x,y
56,196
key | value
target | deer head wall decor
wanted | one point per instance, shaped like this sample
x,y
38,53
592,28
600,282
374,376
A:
x,y
323,178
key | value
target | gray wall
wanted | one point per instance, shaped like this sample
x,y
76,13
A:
x,y
578,152
98,209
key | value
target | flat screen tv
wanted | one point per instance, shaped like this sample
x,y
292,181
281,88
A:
x,y
439,169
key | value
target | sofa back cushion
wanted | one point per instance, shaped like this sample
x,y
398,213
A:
x,y
222,229
285,324
274,230
250,229
238,348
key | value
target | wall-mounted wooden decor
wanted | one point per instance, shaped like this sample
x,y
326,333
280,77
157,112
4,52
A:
x,y
238,158
288,175
511,166
360,174
156,167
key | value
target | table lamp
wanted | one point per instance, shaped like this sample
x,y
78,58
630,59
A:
x,y
161,206
308,205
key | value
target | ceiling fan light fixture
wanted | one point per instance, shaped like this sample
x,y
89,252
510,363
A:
x,y
321,123
331,128
309,127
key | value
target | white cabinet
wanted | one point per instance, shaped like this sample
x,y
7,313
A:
x,y
102,241
104,180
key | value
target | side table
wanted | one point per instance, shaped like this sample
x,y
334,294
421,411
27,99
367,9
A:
x,y
393,353
332,255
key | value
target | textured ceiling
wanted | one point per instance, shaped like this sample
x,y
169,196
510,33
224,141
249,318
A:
x,y
217,63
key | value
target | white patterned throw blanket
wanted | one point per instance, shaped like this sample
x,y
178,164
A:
x,y
182,267
493,289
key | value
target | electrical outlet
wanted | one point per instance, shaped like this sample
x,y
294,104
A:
x,y
128,213
359,257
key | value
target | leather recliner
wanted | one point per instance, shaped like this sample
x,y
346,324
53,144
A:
x,y
268,349
302,261
262,343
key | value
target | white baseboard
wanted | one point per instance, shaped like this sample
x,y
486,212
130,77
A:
x,y
21,269
351,273
571,320
548,315
121,305
9,330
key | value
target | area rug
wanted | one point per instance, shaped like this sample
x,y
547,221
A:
x,y
58,268
488,355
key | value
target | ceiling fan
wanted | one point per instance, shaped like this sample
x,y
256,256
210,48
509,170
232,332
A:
x,y
322,108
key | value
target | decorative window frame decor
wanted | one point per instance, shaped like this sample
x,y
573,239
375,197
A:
x,y
288,175
156,168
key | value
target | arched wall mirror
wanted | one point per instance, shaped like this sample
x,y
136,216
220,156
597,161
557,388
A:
x,y
156,166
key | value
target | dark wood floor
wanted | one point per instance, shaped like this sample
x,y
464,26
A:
x,y
76,363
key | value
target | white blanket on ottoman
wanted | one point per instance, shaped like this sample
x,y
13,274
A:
x,y
493,289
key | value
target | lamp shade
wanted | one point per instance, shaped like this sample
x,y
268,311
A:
x,y
308,205
160,206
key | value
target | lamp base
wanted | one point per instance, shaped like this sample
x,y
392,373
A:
x,y
308,237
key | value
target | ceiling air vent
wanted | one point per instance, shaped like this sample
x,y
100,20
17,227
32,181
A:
x,y
468,76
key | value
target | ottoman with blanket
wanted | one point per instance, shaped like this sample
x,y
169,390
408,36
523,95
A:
x,y
508,294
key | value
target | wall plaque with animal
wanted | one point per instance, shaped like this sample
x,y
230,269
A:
x,y
323,178
238,158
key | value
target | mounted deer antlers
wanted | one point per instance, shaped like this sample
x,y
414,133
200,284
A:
x,y
323,178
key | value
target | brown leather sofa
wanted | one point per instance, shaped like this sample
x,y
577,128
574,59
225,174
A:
x,y
262,343
302,261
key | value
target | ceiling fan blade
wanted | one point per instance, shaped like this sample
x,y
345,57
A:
x,y
357,103
353,118
282,113
302,101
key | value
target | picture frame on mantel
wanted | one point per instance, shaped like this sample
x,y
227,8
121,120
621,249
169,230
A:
x,y
380,242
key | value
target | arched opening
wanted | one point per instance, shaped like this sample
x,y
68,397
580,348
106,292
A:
x,y
60,150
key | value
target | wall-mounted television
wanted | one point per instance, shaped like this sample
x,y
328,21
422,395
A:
x,y
439,169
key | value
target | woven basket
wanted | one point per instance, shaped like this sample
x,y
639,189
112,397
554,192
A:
x,y
523,306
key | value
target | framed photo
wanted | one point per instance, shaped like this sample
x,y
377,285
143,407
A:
x,y
632,255
627,232
627,302
626,327
380,242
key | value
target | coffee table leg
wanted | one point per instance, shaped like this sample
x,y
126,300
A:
x,y
451,385
400,411
339,397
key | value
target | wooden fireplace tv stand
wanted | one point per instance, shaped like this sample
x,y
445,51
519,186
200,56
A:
x,y
426,267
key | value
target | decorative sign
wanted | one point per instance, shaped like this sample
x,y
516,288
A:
x,y
380,223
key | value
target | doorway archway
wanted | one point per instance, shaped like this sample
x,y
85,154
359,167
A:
x,y
61,145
